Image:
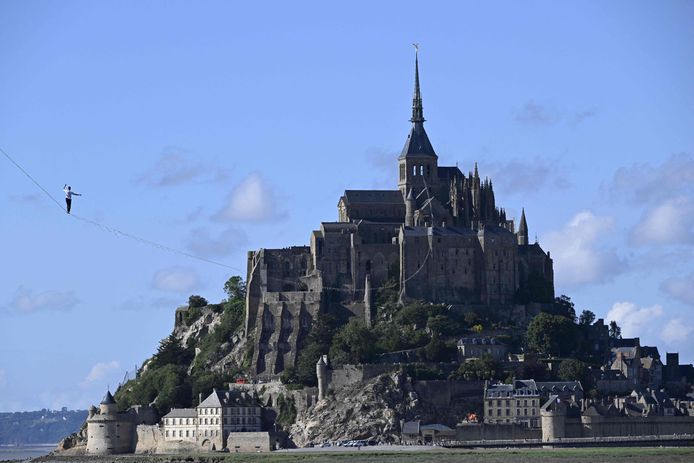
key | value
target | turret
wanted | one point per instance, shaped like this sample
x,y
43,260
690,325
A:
x,y
553,419
409,209
108,404
523,230
322,376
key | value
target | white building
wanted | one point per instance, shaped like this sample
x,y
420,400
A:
x,y
211,422
520,401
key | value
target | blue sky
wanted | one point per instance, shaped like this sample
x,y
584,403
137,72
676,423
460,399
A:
x,y
220,127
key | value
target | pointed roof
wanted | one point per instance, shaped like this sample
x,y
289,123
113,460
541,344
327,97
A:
x,y
410,195
212,401
523,227
417,143
108,399
417,110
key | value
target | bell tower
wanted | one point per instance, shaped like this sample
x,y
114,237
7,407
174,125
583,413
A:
x,y
418,162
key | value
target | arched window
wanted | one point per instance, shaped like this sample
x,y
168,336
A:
x,y
421,169
414,170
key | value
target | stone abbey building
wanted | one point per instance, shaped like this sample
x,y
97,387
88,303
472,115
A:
x,y
439,236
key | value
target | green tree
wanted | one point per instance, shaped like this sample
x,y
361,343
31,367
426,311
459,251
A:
x,y
587,317
438,351
353,343
196,301
532,370
575,370
286,411
564,307
317,343
483,368
615,332
551,334
171,352
288,376
235,288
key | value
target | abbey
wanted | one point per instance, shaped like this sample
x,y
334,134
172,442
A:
x,y
439,237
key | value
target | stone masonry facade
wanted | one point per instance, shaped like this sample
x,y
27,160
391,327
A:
x,y
439,236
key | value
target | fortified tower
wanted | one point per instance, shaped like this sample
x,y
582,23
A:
x,y
322,375
553,418
109,432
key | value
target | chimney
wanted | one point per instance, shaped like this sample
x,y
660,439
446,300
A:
x,y
199,398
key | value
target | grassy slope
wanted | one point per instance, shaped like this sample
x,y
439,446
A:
x,y
583,455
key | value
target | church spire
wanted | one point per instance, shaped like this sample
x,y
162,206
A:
x,y
417,144
523,230
417,111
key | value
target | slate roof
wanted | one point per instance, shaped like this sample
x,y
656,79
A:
x,y
628,353
439,231
373,196
448,172
488,341
233,398
182,413
108,399
551,386
212,401
417,143
650,351
435,427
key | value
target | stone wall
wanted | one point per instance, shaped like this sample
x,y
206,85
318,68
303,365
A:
x,y
627,426
252,442
109,436
481,431
354,374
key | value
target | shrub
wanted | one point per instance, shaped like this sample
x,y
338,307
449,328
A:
x,y
196,301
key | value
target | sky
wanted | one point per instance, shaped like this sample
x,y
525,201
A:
x,y
215,128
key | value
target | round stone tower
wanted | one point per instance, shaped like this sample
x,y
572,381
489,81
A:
x,y
108,431
553,418
322,375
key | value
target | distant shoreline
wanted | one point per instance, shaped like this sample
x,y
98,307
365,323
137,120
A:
x,y
55,444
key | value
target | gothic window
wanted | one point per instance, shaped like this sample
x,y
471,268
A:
x,y
402,172
414,170
421,170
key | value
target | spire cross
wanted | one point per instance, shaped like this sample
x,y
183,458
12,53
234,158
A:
x,y
417,112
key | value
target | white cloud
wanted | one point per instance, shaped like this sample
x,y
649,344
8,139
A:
x,y
201,243
634,320
677,330
100,371
641,183
27,301
680,288
671,222
579,256
175,279
252,200
523,176
532,113
174,168
535,114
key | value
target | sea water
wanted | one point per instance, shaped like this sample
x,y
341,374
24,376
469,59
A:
x,y
25,452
